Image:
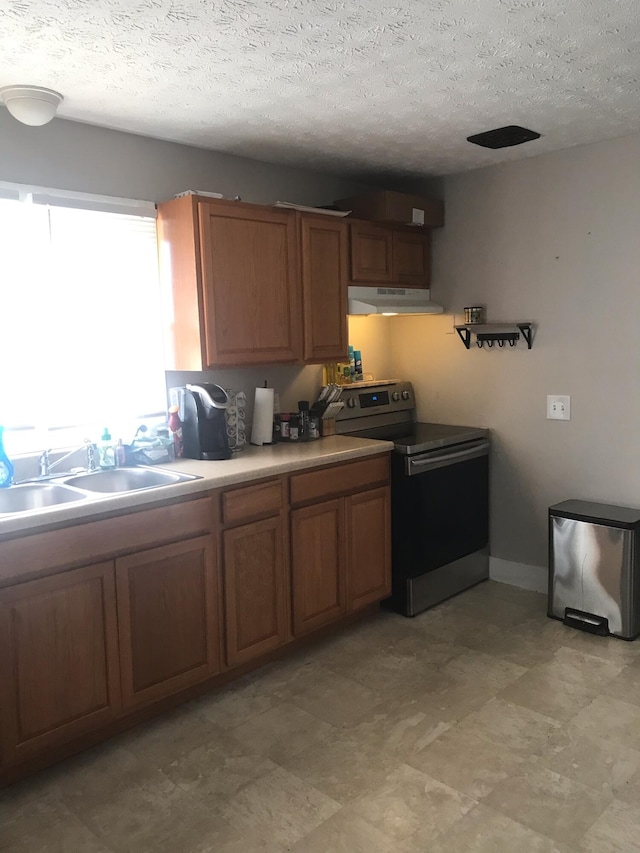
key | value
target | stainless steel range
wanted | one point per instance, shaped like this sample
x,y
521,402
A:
x,y
439,497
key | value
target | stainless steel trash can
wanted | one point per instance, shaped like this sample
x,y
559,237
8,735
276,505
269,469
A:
x,y
594,567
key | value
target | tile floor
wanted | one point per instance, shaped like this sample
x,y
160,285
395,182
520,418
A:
x,y
480,726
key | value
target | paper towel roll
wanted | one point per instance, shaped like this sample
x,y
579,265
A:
x,y
262,429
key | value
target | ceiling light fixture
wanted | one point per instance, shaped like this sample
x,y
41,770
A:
x,y
31,105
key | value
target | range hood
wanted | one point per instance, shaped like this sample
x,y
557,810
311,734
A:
x,y
391,300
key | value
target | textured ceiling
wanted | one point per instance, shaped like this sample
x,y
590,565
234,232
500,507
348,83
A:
x,y
356,87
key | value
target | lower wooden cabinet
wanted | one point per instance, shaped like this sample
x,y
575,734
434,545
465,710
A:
x,y
368,538
317,565
254,590
58,659
83,648
340,548
168,619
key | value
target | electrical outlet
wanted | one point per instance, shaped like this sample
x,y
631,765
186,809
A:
x,y
558,408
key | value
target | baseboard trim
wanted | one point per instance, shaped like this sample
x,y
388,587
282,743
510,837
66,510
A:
x,y
535,578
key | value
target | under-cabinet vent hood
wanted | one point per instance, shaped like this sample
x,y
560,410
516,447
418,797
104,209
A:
x,y
391,300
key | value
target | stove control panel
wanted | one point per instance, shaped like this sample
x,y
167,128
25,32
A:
x,y
375,398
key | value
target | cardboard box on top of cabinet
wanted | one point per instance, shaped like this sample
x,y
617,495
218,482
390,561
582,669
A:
x,y
389,206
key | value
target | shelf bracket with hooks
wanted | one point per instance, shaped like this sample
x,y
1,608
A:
x,y
495,333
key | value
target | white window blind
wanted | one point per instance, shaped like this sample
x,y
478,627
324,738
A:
x,y
81,335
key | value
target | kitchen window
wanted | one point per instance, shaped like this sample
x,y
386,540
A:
x,y
81,333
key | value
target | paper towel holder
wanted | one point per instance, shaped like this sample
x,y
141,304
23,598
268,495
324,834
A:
x,y
263,409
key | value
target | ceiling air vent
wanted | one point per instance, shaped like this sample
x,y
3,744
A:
x,y
503,137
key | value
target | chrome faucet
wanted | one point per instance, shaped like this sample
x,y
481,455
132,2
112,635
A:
x,y
46,465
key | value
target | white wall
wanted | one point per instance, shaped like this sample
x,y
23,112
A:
x,y
554,240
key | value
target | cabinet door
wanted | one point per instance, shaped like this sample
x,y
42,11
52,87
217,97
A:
x,y
412,258
168,619
324,283
371,253
254,590
251,298
317,554
368,518
59,673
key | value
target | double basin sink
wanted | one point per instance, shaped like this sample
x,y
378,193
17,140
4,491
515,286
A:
x,y
29,497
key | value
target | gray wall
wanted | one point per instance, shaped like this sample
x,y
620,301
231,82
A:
x,y
81,157
84,158
553,240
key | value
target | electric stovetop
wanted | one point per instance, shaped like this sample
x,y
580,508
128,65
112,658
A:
x,y
422,437
386,410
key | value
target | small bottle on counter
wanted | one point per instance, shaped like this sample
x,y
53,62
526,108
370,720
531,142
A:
x,y
106,450
294,428
121,456
358,360
6,466
352,364
314,427
285,426
303,419
175,425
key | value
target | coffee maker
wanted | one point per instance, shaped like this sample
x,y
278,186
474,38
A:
x,y
204,425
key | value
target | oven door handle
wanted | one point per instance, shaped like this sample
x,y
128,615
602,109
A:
x,y
441,458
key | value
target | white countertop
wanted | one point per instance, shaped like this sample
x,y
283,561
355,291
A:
x,y
252,463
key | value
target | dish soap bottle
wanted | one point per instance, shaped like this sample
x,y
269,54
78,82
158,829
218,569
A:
x,y
6,468
106,450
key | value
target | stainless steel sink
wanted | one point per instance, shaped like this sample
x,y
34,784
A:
x,y
32,496
126,480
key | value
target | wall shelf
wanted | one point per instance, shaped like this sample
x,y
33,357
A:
x,y
495,333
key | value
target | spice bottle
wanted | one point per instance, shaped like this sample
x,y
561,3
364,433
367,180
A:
x,y
303,419
285,426
294,428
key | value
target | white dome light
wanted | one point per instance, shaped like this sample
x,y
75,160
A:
x,y
31,105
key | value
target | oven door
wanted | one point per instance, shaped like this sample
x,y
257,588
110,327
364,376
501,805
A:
x,y
440,507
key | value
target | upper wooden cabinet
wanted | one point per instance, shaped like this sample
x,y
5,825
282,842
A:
x,y
412,258
371,252
229,270
390,254
251,296
324,255
247,284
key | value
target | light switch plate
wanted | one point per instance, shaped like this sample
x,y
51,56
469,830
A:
x,y
558,407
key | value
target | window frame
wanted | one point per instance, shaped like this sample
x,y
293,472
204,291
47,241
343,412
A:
x,y
28,439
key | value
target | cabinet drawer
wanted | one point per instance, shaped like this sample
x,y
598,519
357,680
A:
x,y
255,501
339,479
28,557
